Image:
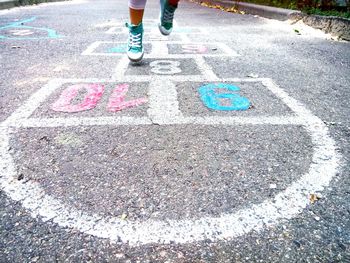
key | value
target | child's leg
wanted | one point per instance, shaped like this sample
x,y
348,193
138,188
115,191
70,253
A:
x,y
167,11
136,8
135,49
136,16
173,2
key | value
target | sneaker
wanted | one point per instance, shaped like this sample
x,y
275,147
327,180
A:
x,y
135,49
166,17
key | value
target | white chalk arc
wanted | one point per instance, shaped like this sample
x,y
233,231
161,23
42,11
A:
x,y
285,205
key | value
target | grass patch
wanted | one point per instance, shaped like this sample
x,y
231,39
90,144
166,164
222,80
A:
x,y
308,7
317,11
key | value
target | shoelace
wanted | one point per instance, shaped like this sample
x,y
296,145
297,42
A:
x,y
168,15
135,40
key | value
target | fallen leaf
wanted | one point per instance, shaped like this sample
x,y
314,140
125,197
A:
x,y
226,9
314,198
297,31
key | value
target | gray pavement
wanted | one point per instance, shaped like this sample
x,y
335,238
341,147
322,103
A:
x,y
106,161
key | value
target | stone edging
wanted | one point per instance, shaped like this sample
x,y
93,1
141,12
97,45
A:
x,y
336,26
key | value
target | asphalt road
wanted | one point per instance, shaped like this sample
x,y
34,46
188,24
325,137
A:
x,y
228,143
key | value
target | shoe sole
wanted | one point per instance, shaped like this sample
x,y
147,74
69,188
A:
x,y
135,60
163,31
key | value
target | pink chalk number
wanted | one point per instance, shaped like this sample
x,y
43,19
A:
x,y
190,48
117,103
94,94
64,102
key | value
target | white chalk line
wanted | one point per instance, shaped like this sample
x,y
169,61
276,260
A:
x,y
159,49
27,109
156,55
163,102
224,50
205,69
285,205
121,68
80,121
153,29
183,78
175,119
174,78
91,48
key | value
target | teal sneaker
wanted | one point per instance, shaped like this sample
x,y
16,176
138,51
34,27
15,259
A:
x,y
135,49
166,17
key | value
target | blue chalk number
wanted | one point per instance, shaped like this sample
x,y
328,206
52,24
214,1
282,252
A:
x,y
213,96
118,49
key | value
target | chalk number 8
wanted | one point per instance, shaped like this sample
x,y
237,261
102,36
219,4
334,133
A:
x,y
165,67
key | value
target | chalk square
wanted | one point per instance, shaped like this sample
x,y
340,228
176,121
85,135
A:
x,y
135,91
164,67
201,48
262,101
111,48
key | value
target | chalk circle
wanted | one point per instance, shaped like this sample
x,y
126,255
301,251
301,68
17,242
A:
x,y
22,32
285,205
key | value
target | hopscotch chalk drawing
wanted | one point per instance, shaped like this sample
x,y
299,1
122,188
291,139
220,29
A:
x,y
163,108
93,95
19,31
212,98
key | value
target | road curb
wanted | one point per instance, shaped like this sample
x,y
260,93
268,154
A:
x,y
336,26
253,9
7,4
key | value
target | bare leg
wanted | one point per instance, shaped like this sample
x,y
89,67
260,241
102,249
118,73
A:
x,y
136,16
